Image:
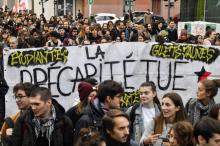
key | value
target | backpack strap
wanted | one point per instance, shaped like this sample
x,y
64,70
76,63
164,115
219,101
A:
x,y
132,115
190,104
9,122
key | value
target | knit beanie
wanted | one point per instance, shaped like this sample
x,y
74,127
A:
x,y
84,90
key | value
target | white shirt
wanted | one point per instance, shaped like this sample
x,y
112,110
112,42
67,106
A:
x,y
148,114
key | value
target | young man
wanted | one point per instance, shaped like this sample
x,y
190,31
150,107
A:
x,y
172,31
21,92
54,40
108,97
207,132
116,128
44,124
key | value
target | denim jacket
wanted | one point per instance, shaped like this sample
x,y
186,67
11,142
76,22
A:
x,y
138,124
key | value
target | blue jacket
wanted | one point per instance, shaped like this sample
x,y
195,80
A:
x,y
138,124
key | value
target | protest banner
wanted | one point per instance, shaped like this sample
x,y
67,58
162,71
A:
x,y
172,67
197,27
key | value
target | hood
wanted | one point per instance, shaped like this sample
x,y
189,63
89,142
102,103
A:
x,y
94,108
60,111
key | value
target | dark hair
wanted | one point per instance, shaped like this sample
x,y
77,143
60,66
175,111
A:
x,y
208,33
206,127
214,111
196,38
44,93
183,132
218,37
109,88
87,137
154,89
211,86
26,87
171,21
91,81
108,119
54,34
180,115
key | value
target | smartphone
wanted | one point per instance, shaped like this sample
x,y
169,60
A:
x,y
165,141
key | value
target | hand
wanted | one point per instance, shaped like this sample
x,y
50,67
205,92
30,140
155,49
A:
x,y
151,138
70,41
9,131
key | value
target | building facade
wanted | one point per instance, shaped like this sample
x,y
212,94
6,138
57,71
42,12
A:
x,y
159,7
200,10
63,7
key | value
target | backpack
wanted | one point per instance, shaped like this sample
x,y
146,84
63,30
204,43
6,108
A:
x,y
132,116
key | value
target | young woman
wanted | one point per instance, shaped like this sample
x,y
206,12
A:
x,y
199,40
198,107
84,89
172,111
142,113
181,134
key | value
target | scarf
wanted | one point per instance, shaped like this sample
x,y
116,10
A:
x,y
45,126
201,110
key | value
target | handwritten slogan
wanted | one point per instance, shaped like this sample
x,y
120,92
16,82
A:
x,y
172,67
27,58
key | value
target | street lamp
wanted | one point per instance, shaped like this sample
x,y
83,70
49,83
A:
x,y
55,7
204,10
169,5
42,4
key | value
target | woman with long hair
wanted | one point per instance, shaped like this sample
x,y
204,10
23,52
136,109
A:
x,y
199,39
172,111
142,113
85,89
181,134
200,106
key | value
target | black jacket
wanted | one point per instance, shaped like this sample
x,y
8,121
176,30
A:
x,y
172,35
92,117
3,90
74,115
24,135
111,142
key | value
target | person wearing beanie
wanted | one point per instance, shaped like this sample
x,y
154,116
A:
x,y
84,90
75,112
109,96
94,83
183,38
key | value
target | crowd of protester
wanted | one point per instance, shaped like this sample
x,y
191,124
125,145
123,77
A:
x,y
26,30
97,120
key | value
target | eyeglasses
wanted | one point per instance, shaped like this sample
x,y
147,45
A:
x,y
19,97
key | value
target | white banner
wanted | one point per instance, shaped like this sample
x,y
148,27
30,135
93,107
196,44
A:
x,y
197,27
172,67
